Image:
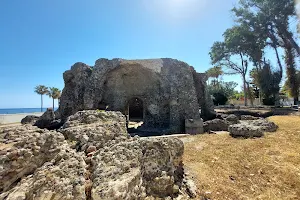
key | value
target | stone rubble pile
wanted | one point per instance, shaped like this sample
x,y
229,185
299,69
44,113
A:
x,y
265,125
248,117
221,124
232,119
90,157
215,125
252,128
245,130
247,127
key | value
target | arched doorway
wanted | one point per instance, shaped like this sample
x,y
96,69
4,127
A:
x,y
136,110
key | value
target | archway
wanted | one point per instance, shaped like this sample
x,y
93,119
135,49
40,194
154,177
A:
x,y
136,110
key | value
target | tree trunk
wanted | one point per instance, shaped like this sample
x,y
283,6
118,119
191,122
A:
x,y
259,96
53,104
41,103
245,66
286,34
245,90
293,43
249,94
278,60
296,99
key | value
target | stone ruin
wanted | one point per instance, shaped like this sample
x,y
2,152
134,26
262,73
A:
x,y
244,126
162,93
90,157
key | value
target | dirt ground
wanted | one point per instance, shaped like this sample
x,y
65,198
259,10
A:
x,y
266,168
11,124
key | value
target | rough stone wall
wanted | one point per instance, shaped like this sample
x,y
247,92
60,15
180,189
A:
x,y
166,87
183,100
204,99
91,157
72,98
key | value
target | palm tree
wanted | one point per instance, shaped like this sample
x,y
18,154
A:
x,y
54,93
41,90
215,72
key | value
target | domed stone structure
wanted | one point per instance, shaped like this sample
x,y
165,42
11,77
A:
x,y
160,92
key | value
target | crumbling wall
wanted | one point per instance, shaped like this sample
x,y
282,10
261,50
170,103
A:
x,y
204,99
167,88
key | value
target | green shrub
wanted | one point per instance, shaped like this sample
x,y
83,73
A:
x,y
219,98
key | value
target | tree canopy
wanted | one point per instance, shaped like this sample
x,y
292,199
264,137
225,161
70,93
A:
x,y
54,93
41,89
259,24
236,45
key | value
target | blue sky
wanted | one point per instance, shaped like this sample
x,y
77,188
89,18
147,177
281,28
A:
x,y
41,39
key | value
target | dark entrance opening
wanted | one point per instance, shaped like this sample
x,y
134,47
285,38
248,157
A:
x,y
135,115
136,110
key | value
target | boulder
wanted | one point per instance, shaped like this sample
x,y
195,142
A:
x,y
29,119
248,117
245,131
265,125
116,171
25,149
48,121
91,157
63,177
153,167
221,116
252,128
215,125
162,166
95,128
194,126
232,119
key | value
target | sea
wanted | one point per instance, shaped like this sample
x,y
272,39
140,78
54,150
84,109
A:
x,y
21,110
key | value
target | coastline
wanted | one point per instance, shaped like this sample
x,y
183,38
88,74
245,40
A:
x,y
15,118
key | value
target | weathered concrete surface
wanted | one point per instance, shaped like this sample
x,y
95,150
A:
x,y
171,90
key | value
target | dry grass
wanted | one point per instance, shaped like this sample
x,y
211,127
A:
x,y
264,168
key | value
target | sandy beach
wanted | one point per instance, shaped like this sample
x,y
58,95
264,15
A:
x,y
15,118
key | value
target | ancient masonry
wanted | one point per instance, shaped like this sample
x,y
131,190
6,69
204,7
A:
x,y
91,157
163,92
